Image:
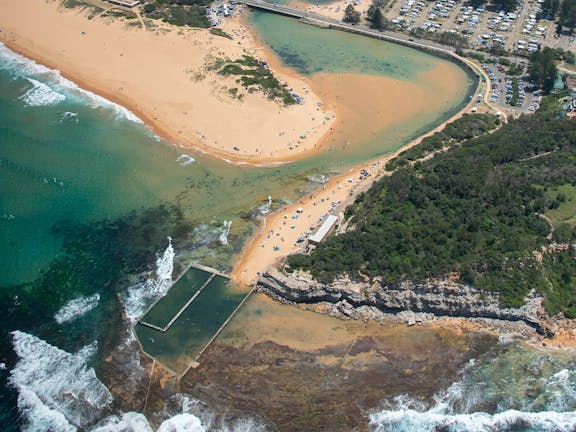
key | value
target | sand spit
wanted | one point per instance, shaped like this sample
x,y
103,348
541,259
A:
x,y
161,75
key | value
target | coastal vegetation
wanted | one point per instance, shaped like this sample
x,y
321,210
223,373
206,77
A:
x,y
85,6
445,38
542,70
466,127
219,32
351,15
496,5
179,12
476,212
375,16
254,75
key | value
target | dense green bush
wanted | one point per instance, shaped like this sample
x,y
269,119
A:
x,y
179,12
466,127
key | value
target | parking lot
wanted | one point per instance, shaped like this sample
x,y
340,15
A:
x,y
519,31
510,92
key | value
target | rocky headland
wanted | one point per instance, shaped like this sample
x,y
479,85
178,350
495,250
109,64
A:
x,y
442,298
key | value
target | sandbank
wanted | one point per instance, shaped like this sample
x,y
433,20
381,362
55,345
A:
x,y
161,75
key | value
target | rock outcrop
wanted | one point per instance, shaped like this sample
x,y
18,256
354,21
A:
x,y
441,298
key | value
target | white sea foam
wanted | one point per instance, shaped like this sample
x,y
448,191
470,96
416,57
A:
x,y
69,116
140,294
185,160
2,366
21,66
265,209
223,238
560,391
317,178
126,422
57,391
182,423
18,64
41,94
453,410
511,420
76,308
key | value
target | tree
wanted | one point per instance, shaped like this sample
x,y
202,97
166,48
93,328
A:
x,y
567,14
543,71
379,3
550,9
505,5
351,15
477,3
376,17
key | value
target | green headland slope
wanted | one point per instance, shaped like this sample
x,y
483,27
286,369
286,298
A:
x,y
495,211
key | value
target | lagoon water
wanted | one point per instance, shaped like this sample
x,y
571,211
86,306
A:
x,y
88,199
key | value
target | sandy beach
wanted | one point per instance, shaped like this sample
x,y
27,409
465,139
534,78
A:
x,y
167,84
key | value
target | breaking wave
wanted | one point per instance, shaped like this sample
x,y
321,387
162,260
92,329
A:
x,y
21,66
69,116
548,408
182,422
317,178
126,422
57,391
140,294
76,308
185,160
223,238
511,420
41,95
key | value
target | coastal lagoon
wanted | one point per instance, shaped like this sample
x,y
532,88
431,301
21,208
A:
x,y
98,215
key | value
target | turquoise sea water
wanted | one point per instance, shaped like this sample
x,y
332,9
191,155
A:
x,y
88,199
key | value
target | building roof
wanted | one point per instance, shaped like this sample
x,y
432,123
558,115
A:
x,y
571,83
128,3
324,229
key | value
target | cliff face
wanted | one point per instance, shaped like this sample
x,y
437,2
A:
x,y
441,298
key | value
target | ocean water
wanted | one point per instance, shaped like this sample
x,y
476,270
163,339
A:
x,y
98,216
90,200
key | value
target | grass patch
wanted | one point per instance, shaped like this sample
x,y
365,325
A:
x,y
564,204
118,13
191,13
70,4
219,32
254,76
